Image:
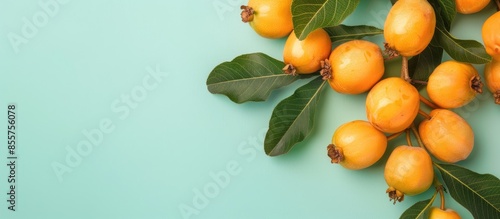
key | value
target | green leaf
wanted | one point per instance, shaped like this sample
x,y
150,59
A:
x,y
469,51
418,210
344,32
249,77
479,193
309,15
422,65
293,118
446,9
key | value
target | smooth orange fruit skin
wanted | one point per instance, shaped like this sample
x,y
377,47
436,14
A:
x,y
409,170
492,77
272,19
450,84
437,213
470,6
356,66
392,105
306,55
362,144
447,136
491,35
409,26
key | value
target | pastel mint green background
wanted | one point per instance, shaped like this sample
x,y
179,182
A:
x,y
175,140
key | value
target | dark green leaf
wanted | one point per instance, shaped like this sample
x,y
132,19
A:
x,y
293,118
344,32
422,65
469,51
418,210
479,193
249,77
309,15
446,10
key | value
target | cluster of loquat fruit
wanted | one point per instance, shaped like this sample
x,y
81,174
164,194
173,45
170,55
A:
x,y
393,103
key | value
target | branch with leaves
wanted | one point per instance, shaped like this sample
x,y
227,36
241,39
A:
x,y
253,77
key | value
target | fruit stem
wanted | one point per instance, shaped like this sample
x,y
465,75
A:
x,y
441,195
439,189
419,82
404,69
408,137
428,102
424,114
417,136
438,185
247,13
393,136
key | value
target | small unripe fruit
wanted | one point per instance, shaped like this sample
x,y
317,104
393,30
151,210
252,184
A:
x,y
470,6
392,105
437,213
409,26
354,67
408,171
270,19
357,145
447,136
491,35
492,77
454,84
305,56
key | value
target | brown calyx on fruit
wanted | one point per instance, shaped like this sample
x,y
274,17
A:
x,y
289,69
335,153
390,52
496,95
247,13
395,195
326,69
477,85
